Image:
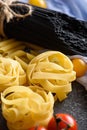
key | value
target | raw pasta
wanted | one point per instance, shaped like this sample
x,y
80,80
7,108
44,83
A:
x,y
44,74
15,50
11,73
23,108
53,71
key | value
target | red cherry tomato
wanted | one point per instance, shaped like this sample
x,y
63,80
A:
x,y
62,122
38,128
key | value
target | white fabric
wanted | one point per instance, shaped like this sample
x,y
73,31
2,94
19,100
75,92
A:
x,y
74,8
82,80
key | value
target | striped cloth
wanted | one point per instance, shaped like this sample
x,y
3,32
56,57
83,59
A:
x,y
74,8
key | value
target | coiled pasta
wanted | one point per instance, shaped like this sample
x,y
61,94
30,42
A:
x,y
24,108
53,71
11,73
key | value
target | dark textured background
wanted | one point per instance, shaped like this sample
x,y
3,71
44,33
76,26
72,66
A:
x,y
75,104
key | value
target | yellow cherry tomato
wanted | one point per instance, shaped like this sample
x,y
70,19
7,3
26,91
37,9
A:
x,y
40,3
79,66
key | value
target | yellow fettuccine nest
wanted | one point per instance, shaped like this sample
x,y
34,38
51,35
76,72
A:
x,y
24,108
53,71
11,73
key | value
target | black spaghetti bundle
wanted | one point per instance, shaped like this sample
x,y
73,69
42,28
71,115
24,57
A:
x,y
49,29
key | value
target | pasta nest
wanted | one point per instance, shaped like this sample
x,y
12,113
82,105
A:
x,y
11,73
23,108
53,71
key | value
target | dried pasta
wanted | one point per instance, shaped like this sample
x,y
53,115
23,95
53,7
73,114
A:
x,y
53,71
24,108
15,50
5,42
9,45
28,81
23,64
11,73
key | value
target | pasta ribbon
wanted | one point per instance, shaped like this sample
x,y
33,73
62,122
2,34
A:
x,y
53,71
18,50
23,108
11,73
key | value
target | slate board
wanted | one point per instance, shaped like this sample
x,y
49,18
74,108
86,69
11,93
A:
x,y
76,105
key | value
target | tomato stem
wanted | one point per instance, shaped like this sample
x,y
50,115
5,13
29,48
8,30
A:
x,y
68,126
36,128
59,119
